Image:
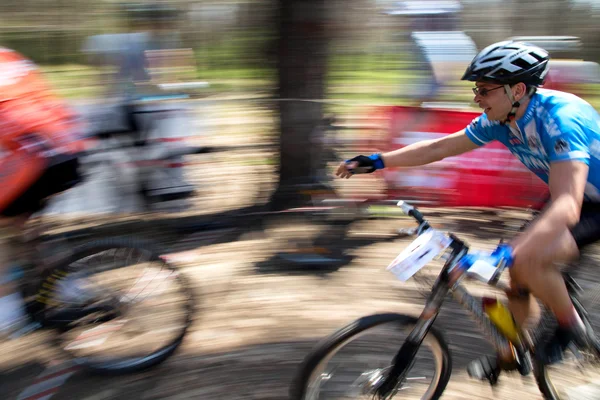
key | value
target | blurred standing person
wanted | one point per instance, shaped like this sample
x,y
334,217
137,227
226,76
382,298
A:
x,y
150,28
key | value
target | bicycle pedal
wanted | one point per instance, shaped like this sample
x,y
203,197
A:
x,y
493,378
484,369
523,364
524,368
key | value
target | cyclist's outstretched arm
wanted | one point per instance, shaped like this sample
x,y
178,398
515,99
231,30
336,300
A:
x,y
428,151
420,153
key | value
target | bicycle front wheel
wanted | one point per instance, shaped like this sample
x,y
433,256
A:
x,y
118,306
352,362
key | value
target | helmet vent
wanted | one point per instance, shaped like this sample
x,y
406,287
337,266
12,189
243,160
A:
x,y
519,62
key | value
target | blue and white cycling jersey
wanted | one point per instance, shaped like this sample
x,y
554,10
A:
x,y
556,126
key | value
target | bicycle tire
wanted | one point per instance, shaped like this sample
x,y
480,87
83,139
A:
x,y
330,345
540,370
117,367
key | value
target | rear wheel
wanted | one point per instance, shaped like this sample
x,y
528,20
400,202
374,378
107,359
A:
x,y
577,376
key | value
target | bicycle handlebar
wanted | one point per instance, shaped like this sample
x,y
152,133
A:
x,y
495,272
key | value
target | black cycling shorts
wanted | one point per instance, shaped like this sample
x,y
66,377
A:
x,y
587,230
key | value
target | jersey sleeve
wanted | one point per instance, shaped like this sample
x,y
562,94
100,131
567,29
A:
x,y
481,131
567,138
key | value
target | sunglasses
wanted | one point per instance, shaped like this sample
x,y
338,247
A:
x,y
483,91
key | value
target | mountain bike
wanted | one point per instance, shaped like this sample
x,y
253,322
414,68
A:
x,y
387,356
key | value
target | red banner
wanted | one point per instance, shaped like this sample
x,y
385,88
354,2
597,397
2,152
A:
x,y
486,177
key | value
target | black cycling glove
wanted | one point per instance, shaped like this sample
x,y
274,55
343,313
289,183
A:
x,y
366,165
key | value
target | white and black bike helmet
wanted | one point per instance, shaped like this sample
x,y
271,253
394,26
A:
x,y
509,63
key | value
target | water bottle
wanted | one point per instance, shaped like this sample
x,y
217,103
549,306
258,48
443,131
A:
x,y
501,316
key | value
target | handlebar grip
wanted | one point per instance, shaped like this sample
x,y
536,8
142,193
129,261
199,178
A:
x,y
411,210
406,208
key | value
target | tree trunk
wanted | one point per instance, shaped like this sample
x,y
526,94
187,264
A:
x,y
301,63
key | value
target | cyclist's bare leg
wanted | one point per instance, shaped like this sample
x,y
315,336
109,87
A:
x,y
545,281
524,308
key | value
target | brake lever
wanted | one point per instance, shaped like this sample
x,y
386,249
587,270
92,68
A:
x,y
415,231
407,231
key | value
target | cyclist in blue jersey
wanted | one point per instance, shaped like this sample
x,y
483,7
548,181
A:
x,y
557,136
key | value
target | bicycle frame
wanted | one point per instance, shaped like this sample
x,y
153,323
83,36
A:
x,y
402,361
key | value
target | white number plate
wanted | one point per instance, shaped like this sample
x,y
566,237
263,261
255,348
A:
x,y
419,253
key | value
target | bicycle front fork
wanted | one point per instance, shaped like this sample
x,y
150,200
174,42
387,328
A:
x,y
404,359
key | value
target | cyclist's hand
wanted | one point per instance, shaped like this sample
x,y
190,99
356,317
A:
x,y
502,253
345,169
359,165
